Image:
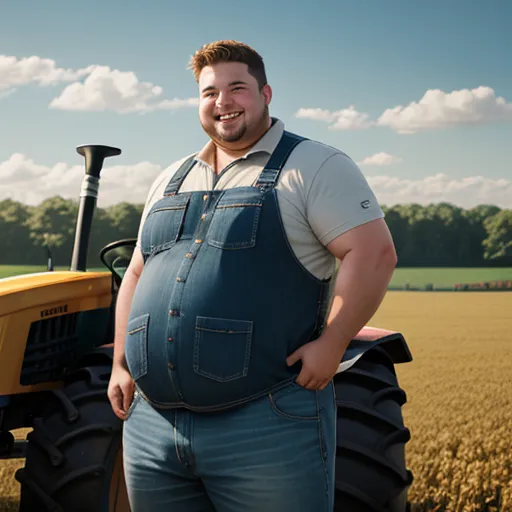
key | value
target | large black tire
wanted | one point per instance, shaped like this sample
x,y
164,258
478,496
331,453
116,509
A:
x,y
371,473
74,456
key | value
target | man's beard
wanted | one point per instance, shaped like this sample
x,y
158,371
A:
x,y
239,133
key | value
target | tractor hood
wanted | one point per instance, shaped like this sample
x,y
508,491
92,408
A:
x,y
27,291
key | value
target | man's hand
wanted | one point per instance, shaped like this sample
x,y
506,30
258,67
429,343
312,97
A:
x,y
320,360
120,390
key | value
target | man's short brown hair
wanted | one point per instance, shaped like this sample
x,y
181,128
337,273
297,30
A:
x,y
229,51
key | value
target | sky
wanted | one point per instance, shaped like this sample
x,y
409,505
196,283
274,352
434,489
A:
x,y
418,94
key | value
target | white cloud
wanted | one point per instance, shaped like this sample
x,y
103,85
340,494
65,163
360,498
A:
x,y
435,110
465,192
438,109
346,119
94,88
119,91
380,159
24,180
16,72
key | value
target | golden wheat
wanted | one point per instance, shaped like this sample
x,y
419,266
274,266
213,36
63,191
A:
x,y
459,407
459,400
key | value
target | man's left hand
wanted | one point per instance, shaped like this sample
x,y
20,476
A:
x,y
320,360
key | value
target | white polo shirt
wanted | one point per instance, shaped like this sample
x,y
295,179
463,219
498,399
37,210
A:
x,y
321,193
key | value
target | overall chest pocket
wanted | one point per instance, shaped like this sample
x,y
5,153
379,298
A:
x,y
236,218
164,223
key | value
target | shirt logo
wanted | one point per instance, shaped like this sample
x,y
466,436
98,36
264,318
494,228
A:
x,y
365,204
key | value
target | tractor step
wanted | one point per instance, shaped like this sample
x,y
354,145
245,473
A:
x,y
11,448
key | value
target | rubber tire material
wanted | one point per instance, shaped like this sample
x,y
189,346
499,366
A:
x,y
70,457
371,473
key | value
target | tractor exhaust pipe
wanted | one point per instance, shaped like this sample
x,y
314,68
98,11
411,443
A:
x,y
94,157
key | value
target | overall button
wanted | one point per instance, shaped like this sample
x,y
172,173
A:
x,y
198,241
173,312
180,280
205,197
171,366
189,255
170,339
203,216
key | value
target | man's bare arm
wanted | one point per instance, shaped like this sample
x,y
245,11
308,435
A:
x,y
367,260
124,301
121,386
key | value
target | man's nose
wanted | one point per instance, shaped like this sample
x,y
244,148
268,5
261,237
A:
x,y
223,99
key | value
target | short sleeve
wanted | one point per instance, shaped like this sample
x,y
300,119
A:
x,y
339,199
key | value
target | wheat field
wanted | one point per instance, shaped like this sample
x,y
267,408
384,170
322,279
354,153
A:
x,y
459,400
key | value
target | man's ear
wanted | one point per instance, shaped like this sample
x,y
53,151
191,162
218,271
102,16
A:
x,y
266,90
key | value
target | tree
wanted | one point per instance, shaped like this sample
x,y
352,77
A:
x,y
498,244
52,225
14,233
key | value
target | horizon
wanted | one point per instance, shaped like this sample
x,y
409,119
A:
x,y
418,95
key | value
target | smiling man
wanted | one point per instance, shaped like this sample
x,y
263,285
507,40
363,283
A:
x,y
225,345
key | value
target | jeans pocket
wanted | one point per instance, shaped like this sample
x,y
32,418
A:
x,y
236,218
294,402
136,398
222,348
136,346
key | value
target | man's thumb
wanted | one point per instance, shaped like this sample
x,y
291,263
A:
x,y
293,358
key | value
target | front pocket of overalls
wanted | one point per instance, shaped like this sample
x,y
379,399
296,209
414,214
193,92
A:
x,y
136,346
164,223
236,219
222,348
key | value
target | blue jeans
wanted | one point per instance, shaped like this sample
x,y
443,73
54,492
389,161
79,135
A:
x,y
274,454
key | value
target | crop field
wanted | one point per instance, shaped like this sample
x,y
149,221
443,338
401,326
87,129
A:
x,y
415,277
459,400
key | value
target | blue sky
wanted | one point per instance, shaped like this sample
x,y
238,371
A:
x,y
351,74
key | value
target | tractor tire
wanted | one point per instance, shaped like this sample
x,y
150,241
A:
x,y
74,455
370,471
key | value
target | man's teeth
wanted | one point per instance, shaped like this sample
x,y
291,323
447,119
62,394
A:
x,y
229,116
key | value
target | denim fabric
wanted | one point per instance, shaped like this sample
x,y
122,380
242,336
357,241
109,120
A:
x,y
222,300
273,454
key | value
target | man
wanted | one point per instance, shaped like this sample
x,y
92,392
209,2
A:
x,y
224,354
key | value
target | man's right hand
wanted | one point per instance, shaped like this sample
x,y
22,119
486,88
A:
x,y
120,390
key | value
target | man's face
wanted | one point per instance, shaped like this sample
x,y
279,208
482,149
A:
x,y
232,109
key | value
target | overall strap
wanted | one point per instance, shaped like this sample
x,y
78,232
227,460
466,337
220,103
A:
x,y
179,177
270,174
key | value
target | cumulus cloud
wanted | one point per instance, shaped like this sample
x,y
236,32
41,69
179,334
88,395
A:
x,y
346,119
119,91
94,88
16,72
380,159
465,192
438,109
24,180
435,110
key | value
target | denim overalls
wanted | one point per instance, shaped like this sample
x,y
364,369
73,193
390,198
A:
x,y
222,300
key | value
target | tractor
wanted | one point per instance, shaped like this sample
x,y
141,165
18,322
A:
x,y
56,351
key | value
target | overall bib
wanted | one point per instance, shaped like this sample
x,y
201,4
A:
x,y
217,423
222,300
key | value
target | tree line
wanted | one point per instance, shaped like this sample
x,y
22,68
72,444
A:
x,y
439,234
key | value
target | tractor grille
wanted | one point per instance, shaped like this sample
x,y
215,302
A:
x,y
51,346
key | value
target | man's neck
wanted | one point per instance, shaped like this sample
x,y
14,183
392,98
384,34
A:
x,y
223,156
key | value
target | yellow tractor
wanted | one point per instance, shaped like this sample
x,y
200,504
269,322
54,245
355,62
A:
x,y
56,335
